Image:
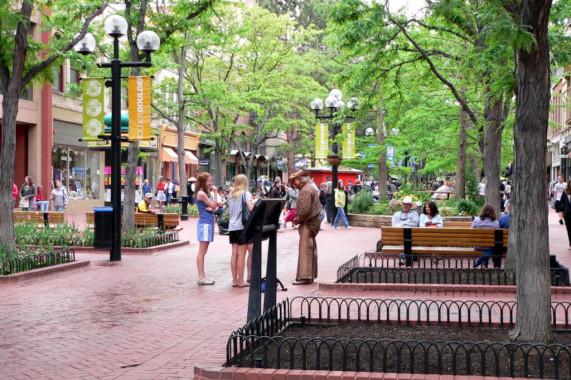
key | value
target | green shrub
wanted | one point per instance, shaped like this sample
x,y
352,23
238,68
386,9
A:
x,y
362,202
467,207
176,208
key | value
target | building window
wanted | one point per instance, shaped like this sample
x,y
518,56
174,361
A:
x,y
58,79
77,170
74,76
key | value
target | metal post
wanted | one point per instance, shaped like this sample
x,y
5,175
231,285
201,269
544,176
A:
x,y
184,200
334,173
116,151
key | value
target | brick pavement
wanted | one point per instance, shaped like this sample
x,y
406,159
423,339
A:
x,y
145,317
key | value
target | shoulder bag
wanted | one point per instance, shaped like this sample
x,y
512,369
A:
x,y
245,211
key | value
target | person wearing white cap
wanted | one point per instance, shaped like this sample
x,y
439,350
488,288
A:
x,y
145,204
405,217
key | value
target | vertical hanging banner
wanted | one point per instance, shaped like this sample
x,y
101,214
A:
x,y
349,141
139,108
321,140
93,108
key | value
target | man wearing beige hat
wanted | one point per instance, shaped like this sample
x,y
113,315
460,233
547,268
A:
x,y
308,209
406,217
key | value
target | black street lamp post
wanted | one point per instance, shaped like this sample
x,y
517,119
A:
x,y
147,42
335,103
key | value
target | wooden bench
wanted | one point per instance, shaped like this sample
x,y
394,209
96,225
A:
x,y
144,220
457,224
442,241
40,218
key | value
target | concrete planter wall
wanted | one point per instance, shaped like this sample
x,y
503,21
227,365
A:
x,y
362,220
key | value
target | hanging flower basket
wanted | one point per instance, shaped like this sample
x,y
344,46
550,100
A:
x,y
334,159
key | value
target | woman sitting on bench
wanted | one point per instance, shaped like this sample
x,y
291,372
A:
x,y
487,219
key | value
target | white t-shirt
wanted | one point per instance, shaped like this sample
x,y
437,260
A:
x,y
482,188
235,207
559,188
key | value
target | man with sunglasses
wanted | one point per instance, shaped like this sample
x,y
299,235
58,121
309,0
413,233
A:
x,y
405,217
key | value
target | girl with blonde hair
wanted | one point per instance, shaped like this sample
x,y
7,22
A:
x,y
238,194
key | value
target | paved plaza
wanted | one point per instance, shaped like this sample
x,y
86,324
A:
x,y
146,318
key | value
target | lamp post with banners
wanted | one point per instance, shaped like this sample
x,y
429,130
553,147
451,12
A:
x,y
335,104
147,42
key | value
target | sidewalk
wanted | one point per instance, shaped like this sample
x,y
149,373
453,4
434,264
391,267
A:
x,y
146,318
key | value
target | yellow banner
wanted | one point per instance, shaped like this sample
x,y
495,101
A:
x,y
321,140
349,141
139,108
93,108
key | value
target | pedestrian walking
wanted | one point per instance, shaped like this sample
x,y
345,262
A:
x,y
239,196
308,210
292,204
59,196
28,194
558,190
147,187
340,201
206,198
161,195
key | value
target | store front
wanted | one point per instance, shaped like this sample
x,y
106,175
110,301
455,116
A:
x,y
169,153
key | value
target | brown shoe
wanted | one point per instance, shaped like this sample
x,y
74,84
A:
x,y
303,282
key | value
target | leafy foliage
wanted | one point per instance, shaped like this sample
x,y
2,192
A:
x,y
362,202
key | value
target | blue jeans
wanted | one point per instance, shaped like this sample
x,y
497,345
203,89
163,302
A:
x,y
327,209
483,260
43,205
340,214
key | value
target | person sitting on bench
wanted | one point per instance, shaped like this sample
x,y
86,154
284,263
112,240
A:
x,y
406,217
487,219
145,204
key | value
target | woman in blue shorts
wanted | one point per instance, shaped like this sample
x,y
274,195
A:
x,y
206,195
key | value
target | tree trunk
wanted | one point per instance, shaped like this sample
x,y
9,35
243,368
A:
x,y
493,116
528,225
180,127
129,193
10,111
460,183
383,177
290,135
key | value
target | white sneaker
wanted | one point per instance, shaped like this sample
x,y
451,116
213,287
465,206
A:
x,y
348,227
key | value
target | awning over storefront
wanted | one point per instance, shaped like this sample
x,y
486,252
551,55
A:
x,y
168,155
190,159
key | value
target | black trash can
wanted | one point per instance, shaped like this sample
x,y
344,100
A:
x,y
103,231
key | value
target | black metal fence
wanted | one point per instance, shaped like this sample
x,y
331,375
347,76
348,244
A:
x,y
253,346
34,261
453,270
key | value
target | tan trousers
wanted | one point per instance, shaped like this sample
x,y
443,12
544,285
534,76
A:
x,y
307,260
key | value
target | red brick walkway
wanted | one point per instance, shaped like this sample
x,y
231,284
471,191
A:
x,y
145,317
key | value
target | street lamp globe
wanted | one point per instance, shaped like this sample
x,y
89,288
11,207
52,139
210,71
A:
x,y
331,102
353,104
340,105
86,45
336,93
148,41
317,104
369,131
116,26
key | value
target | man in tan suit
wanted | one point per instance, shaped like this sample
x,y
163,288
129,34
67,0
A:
x,y
308,209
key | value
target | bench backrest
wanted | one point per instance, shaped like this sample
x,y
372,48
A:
x,y
457,224
144,220
39,217
443,237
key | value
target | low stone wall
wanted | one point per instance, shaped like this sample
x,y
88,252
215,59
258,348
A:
x,y
363,220
44,273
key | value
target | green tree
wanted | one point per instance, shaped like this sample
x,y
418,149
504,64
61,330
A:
x,y
23,61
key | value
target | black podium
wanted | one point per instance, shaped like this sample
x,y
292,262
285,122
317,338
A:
x,y
263,224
